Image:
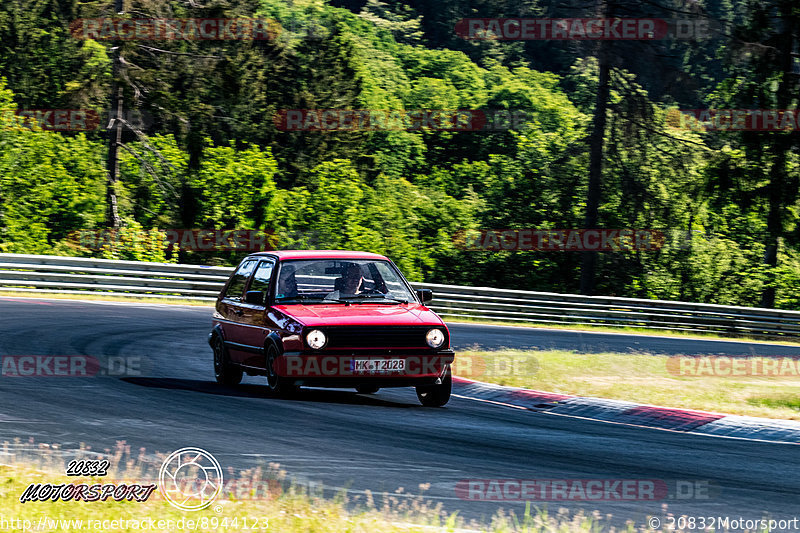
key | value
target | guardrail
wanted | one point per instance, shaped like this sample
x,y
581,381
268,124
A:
x,y
73,275
104,276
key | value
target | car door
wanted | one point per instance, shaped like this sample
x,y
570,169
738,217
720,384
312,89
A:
x,y
232,309
255,328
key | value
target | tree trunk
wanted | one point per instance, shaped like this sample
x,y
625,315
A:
x,y
596,151
781,146
112,164
114,133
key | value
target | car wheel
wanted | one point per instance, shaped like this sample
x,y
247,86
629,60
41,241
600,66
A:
x,y
436,395
225,372
278,386
367,389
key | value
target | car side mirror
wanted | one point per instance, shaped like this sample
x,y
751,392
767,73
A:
x,y
425,295
254,297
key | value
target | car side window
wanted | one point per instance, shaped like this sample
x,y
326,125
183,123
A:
x,y
239,279
262,277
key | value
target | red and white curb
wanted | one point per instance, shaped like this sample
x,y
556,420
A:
x,y
629,413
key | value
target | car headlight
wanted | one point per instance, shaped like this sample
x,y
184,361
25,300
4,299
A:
x,y
435,338
316,339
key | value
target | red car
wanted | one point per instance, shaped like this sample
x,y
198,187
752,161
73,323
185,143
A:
x,y
330,319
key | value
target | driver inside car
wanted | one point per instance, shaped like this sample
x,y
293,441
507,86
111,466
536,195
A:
x,y
352,281
287,283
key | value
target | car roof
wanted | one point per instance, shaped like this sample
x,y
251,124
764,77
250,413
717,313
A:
x,y
284,255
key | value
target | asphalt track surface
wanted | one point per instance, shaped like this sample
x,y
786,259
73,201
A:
x,y
379,442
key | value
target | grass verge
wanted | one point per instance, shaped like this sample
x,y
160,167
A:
x,y
640,378
284,507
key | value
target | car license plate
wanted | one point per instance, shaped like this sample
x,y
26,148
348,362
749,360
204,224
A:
x,y
377,366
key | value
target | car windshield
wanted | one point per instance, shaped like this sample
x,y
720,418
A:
x,y
341,281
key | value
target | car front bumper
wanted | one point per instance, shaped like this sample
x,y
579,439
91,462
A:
x,y
337,369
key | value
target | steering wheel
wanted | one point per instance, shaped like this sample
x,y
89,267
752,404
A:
x,y
370,291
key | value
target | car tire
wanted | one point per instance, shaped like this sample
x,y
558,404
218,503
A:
x,y
278,386
436,395
367,389
225,372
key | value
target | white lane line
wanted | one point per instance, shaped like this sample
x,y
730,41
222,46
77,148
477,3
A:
x,y
628,424
494,402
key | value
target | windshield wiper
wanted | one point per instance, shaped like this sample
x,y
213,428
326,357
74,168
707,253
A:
x,y
285,299
377,296
333,300
308,300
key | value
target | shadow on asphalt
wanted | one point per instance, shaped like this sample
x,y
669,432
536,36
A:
x,y
259,391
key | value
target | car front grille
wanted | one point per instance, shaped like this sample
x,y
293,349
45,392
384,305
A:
x,y
377,337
